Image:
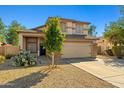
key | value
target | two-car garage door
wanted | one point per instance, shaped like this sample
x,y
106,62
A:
x,y
76,50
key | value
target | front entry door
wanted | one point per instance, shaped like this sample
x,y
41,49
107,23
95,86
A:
x,y
32,44
42,51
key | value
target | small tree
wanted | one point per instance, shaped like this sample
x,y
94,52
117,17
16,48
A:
x,y
13,32
114,33
2,31
54,38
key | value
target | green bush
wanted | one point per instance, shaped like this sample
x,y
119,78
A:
x,y
24,58
2,59
109,52
118,51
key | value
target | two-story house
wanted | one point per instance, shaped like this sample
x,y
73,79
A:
x,y
77,43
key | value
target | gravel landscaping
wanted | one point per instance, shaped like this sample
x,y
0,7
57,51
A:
x,y
65,76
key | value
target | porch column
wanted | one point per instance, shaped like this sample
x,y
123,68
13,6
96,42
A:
x,y
38,51
20,41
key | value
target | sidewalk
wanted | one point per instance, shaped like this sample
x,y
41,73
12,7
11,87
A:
x,y
107,73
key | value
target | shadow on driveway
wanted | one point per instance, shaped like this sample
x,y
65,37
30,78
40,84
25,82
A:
x,y
77,60
114,62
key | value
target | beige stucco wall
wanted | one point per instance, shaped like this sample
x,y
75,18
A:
x,y
20,41
69,24
0,43
85,26
85,32
24,42
69,31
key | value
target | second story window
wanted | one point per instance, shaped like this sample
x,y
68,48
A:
x,y
63,27
78,29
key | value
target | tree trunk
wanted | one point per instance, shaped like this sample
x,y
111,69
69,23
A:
x,y
48,60
52,59
57,59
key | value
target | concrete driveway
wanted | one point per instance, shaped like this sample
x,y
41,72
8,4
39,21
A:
x,y
96,67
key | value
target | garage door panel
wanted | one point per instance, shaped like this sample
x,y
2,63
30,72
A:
x,y
75,50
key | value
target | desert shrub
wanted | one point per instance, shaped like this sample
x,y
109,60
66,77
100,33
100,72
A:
x,y
24,58
118,51
109,52
2,59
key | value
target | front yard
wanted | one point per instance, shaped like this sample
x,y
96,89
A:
x,y
66,76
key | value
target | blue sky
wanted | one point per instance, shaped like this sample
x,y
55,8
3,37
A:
x,y
32,16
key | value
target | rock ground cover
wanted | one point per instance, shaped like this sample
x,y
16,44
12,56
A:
x,y
65,76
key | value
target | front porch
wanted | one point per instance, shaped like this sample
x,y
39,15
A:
x,y
31,41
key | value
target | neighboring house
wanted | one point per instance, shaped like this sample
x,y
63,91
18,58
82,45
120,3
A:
x,y
102,45
77,44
